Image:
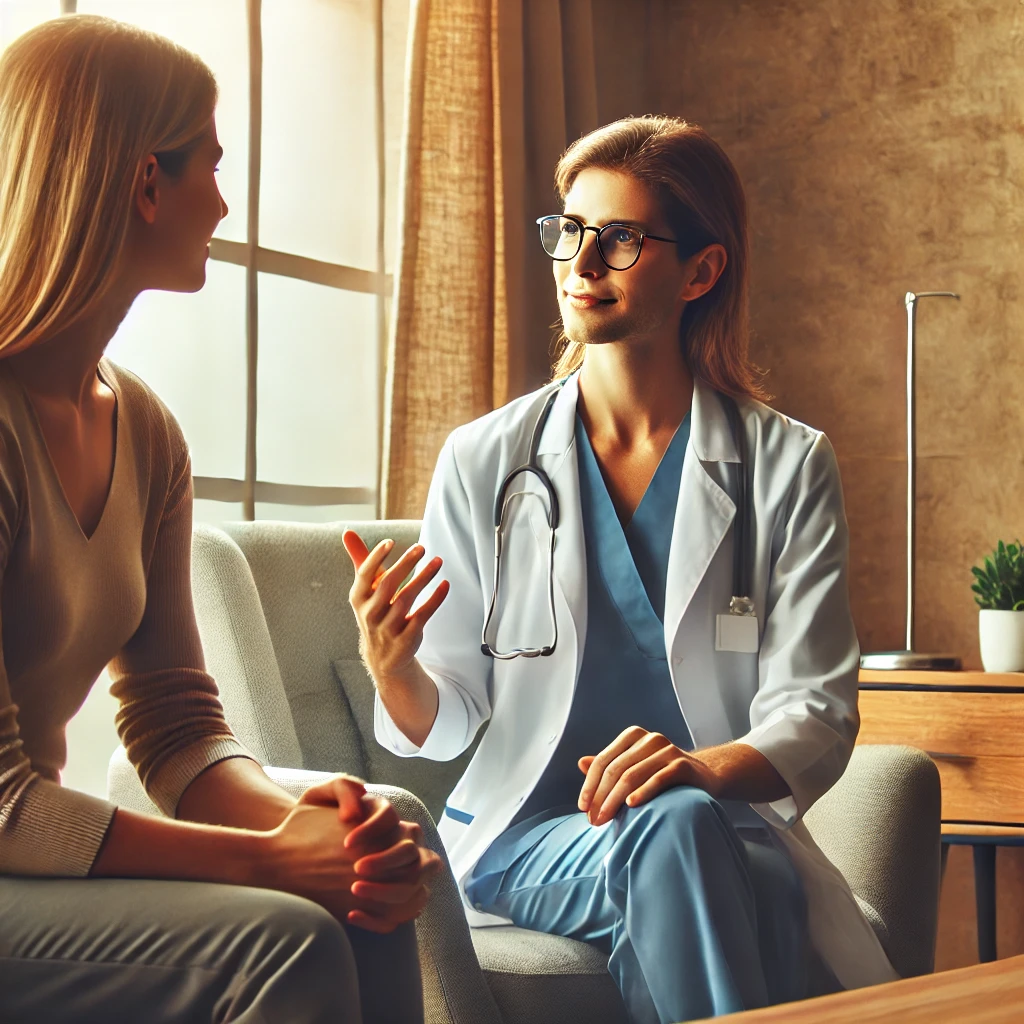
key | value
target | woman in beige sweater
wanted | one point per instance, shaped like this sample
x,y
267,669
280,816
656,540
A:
x,y
250,906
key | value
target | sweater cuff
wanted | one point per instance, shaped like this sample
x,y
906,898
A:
x,y
169,781
54,831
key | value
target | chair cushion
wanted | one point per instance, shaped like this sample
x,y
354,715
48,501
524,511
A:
x,y
547,979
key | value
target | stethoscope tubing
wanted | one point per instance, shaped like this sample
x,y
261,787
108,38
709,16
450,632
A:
x,y
742,558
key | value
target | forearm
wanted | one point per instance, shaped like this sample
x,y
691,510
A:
x,y
742,773
237,793
411,700
146,846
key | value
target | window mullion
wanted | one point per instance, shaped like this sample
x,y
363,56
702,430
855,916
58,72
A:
x,y
381,312
252,236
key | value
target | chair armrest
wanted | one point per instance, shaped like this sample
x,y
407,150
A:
x,y
880,825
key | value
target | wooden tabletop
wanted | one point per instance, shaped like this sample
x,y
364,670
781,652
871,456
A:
x,y
944,680
990,993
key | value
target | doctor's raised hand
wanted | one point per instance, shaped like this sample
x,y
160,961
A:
x,y
391,632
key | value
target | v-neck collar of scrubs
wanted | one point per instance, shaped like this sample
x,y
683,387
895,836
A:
x,y
633,561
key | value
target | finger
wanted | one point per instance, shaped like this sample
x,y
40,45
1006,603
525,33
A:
x,y
598,764
386,893
630,780
645,747
421,616
674,774
382,926
391,579
356,548
584,763
342,791
401,855
367,571
410,830
403,600
381,821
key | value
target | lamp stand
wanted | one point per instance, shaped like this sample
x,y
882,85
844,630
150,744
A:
x,y
910,659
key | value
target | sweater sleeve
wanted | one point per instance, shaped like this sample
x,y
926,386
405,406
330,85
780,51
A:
x,y
45,829
170,720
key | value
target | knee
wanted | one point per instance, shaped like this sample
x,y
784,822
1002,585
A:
x,y
298,927
678,810
679,820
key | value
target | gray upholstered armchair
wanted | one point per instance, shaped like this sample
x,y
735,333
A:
x,y
280,638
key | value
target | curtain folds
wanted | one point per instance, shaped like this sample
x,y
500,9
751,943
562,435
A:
x,y
496,89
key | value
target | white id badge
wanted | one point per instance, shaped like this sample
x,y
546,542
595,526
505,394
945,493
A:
x,y
736,633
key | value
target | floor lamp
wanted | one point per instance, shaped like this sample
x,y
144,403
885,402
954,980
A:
x,y
909,658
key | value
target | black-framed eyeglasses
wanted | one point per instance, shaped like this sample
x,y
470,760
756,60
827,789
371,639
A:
x,y
618,245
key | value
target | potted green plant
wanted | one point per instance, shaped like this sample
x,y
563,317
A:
x,y
999,592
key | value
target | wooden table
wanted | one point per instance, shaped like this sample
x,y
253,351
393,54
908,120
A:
x,y
990,993
972,725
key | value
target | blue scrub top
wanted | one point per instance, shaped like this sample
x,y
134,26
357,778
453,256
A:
x,y
625,677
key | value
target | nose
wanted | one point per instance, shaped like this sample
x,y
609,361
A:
x,y
588,262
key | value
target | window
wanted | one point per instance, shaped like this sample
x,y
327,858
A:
x,y
275,369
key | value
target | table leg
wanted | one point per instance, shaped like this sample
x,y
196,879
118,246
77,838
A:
x,y
985,900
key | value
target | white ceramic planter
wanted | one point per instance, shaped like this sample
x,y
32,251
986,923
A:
x,y
1002,640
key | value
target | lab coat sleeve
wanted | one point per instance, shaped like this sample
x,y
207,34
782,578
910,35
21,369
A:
x,y
804,718
450,652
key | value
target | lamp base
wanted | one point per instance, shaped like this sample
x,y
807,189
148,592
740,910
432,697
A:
x,y
910,661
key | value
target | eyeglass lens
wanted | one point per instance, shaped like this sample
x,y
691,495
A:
x,y
618,244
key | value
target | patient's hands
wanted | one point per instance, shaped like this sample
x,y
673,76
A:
x,y
348,851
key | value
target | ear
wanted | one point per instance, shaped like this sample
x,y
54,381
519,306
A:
x,y
147,192
707,266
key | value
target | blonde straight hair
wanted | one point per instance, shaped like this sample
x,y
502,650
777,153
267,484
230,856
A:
x,y
83,101
702,198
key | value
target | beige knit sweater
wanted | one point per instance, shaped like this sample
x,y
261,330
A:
x,y
69,605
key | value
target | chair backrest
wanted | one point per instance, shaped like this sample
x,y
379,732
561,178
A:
x,y
288,663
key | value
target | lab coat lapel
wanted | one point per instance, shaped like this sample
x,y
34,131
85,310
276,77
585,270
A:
x,y
704,511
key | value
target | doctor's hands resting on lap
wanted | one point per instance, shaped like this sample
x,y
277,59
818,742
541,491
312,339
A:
x,y
638,765
391,634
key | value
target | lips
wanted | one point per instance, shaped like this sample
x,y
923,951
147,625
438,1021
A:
x,y
584,300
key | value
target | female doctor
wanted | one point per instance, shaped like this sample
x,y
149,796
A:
x,y
663,648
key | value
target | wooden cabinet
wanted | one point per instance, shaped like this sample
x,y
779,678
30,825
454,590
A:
x,y
975,738
972,726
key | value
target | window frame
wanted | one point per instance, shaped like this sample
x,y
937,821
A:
x,y
256,260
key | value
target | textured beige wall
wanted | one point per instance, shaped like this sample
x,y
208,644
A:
x,y
882,147
881,143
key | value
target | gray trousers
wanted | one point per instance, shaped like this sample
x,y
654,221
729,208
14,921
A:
x,y
113,950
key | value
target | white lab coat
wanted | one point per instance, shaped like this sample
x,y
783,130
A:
x,y
795,701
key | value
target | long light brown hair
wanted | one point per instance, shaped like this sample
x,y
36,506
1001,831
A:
x,y
702,198
83,101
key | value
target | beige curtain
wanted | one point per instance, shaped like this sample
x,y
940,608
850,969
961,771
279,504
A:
x,y
496,90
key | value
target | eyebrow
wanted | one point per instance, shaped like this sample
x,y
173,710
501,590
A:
x,y
615,220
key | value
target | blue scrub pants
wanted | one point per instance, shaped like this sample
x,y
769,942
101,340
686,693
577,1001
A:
x,y
696,920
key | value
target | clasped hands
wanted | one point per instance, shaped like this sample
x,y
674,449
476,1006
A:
x,y
636,767
362,863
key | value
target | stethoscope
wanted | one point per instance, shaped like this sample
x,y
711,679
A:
x,y
742,556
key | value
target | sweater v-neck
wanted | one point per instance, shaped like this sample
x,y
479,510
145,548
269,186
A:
x,y
107,378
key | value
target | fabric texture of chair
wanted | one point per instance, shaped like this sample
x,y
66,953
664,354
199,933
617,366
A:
x,y
282,643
